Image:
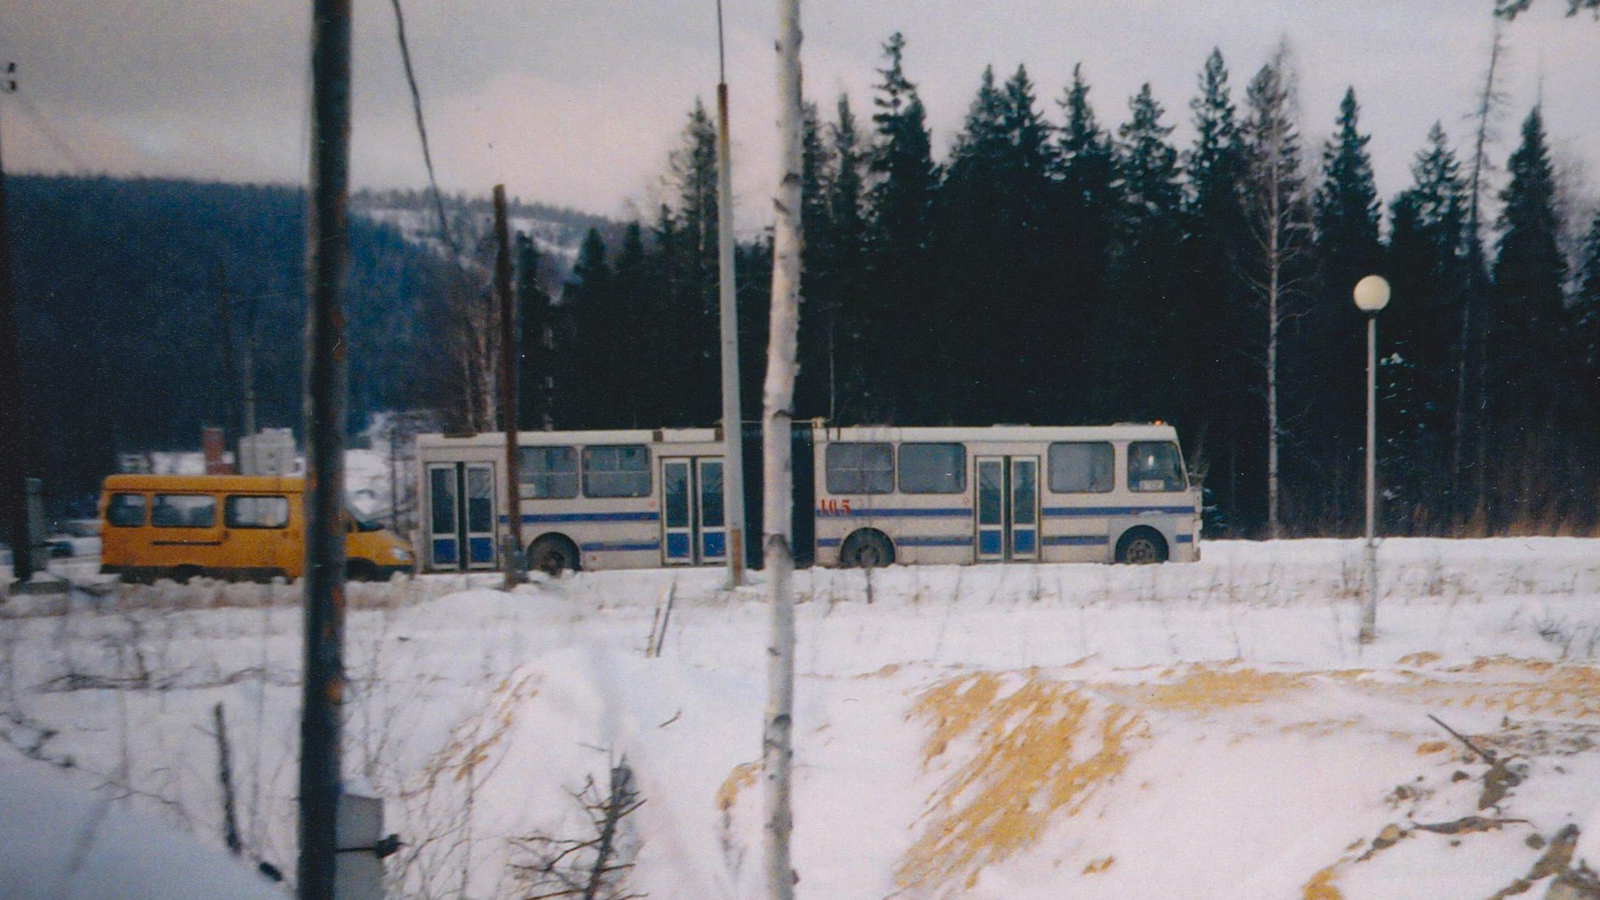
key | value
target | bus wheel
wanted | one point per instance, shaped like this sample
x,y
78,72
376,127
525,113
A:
x,y
552,554
866,550
360,570
185,574
1141,545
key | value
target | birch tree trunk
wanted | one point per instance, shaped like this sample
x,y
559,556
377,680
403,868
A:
x,y
777,749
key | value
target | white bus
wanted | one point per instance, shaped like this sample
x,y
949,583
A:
x,y
624,499
864,496
1113,493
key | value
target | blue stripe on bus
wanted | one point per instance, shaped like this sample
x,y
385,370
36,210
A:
x,y
620,548
963,512
829,542
963,540
548,518
1076,540
1068,512
1185,538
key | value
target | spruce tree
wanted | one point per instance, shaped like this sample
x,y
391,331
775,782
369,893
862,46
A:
x,y
1529,360
1138,377
991,260
692,258
1330,378
1427,267
1586,310
587,393
900,271
1082,233
535,371
1226,440
840,291
636,355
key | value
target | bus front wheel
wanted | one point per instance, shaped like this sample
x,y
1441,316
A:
x,y
552,554
1141,545
866,550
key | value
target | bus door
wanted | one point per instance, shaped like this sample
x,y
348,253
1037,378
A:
x,y
1007,508
693,528
461,523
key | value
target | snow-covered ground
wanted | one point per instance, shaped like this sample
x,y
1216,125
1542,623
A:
x,y
1211,730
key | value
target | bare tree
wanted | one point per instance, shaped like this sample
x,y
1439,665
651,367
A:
x,y
1508,9
1279,214
777,416
1471,370
594,866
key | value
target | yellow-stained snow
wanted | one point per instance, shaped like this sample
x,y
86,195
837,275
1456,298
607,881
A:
x,y
1012,753
1028,750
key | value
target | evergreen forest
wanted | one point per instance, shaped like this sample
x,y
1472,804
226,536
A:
x,y
1057,270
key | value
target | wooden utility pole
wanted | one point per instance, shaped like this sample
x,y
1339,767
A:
x,y
327,245
13,449
777,740
732,419
513,563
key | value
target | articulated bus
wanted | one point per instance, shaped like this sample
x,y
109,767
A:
x,y
864,496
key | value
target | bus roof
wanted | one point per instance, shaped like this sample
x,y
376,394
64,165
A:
x,y
275,484
1136,431
539,438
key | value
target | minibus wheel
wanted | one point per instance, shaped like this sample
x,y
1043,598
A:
x,y
360,570
185,574
552,554
1141,545
866,549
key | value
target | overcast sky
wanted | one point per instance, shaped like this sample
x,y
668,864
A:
x,y
579,103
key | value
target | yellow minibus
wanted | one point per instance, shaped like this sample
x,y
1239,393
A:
x,y
238,527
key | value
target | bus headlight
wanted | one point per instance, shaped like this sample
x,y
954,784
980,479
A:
x,y
400,554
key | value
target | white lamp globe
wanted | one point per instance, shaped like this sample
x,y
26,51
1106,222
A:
x,y
1372,294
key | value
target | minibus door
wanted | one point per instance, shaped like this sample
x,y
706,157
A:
x,y
1007,508
693,525
461,504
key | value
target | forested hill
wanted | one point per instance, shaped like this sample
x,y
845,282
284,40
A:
x,y
120,290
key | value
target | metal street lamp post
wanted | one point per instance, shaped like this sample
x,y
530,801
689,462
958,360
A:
x,y
1371,296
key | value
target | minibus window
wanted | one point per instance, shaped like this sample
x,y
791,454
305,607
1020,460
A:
x,y
256,512
184,511
125,510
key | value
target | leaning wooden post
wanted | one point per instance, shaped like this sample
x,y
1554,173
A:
x,y
326,386
508,390
777,747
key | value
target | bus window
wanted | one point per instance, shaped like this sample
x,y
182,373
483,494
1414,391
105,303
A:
x,y
1155,466
480,499
184,511
933,468
1082,468
860,469
549,473
125,510
256,512
617,471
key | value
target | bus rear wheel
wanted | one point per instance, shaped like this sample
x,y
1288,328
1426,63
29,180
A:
x,y
1140,546
866,550
552,554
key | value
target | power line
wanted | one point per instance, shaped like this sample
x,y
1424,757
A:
x,y
422,129
54,137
